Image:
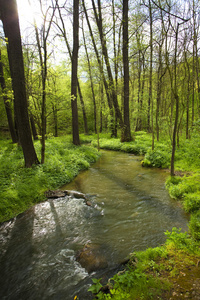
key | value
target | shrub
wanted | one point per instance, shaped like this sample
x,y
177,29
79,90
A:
x,y
178,187
192,202
194,225
156,158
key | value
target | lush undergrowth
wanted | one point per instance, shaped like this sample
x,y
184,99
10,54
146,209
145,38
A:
x,y
21,187
149,272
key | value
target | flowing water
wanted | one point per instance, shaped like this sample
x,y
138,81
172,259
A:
x,y
130,211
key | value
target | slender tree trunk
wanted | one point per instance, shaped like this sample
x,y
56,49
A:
x,y
177,105
126,131
64,34
193,83
196,56
34,131
187,69
150,103
101,71
138,122
91,83
83,108
160,75
99,22
9,16
74,78
7,104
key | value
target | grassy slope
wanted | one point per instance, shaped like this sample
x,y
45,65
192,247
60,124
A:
x,y
21,188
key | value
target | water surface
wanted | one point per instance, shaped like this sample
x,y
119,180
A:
x,y
130,211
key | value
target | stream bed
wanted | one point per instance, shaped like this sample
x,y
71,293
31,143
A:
x,y
130,210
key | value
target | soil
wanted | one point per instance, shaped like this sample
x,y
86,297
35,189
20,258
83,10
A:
x,y
184,285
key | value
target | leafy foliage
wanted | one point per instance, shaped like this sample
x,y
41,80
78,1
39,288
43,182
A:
x,y
181,240
157,158
194,225
192,202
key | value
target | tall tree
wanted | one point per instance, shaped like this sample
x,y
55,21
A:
x,y
100,64
74,78
10,19
64,34
176,96
126,131
43,56
99,22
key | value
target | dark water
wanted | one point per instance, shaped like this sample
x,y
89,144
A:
x,y
130,211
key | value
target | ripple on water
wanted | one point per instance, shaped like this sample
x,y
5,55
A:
x,y
130,211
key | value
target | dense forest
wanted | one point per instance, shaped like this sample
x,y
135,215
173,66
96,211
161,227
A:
x,y
120,67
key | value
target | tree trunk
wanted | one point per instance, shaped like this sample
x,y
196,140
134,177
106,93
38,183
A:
x,y
74,79
177,105
126,132
9,16
99,22
91,82
63,31
150,103
7,104
83,108
101,71
34,131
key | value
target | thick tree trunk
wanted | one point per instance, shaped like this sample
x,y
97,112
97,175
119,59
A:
x,y
9,16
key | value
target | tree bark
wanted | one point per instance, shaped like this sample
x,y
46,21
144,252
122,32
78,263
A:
x,y
126,131
10,19
177,105
74,79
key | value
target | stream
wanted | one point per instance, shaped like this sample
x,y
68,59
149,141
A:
x,y
130,210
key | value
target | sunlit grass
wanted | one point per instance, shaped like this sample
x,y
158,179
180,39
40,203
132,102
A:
x,y
21,187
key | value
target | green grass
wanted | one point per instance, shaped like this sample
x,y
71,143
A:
x,y
151,273
21,188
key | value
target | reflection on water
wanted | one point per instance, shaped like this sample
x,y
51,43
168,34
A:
x,y
130,211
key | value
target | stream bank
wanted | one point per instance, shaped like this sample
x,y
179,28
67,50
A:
x,y
130,211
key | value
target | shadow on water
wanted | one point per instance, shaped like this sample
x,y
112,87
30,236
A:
x,y
16,262
130,212
56,218
141,195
